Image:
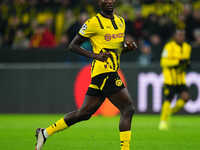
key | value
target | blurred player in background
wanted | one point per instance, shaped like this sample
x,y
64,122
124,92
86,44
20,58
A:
x,y
175,61
106,32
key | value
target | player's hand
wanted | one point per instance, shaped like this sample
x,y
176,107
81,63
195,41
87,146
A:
x,y
184,64
130,45
102,56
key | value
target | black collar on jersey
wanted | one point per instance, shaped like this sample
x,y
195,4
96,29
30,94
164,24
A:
x,y
180,44
111,19
106,16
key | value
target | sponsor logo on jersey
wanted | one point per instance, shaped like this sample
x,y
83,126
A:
x,y
108,37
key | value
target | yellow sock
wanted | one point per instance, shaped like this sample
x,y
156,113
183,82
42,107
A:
x,y
58,126
166,110
125,138
179,104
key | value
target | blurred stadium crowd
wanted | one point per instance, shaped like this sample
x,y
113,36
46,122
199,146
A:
x,y
53,23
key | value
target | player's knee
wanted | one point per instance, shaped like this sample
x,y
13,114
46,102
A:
x,y
185,96
129,110
84,115
132,110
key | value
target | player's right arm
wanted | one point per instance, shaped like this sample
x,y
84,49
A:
x,y
84,34
167,58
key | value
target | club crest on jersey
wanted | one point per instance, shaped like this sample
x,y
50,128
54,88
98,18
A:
x,y
108,37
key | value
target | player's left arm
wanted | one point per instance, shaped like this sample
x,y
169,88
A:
x,y
128,45
186,63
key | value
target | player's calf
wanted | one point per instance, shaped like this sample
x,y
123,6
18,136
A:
x,y
184,97
125,126
128,111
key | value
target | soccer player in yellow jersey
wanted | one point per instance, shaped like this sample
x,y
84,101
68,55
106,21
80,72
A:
x,y
175,60
106,31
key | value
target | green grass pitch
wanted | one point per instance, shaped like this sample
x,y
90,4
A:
x,y
100,133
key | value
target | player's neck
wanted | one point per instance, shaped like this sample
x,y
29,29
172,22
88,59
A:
x,y
107,14
179,43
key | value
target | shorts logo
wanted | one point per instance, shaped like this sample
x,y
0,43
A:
x,y
118,82
166,91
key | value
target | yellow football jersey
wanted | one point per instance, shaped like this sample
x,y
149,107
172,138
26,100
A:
x,y
171,56
106,35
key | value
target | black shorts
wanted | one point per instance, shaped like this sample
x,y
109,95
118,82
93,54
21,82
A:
x,y
169,91
105,84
